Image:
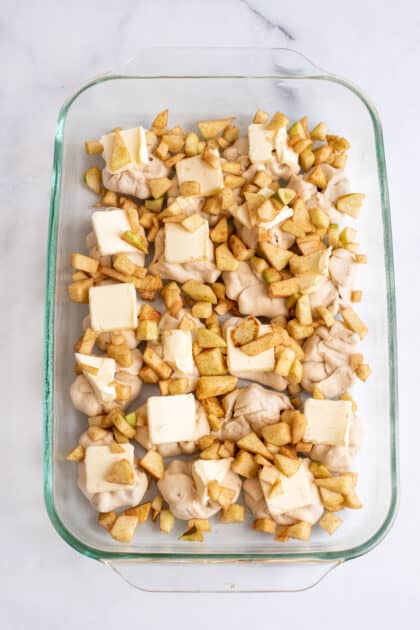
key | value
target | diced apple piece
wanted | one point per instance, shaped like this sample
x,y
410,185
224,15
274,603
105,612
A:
x,y
235,513
300,531
93,179
225,260
252,443
193,534
209,386
287,466
350,204
152,462
209,339
121,472
107,519
278,434
166,521
124,528
265,525
330,522
212,128
120,154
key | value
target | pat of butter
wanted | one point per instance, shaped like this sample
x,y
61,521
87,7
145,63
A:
x,y
297,492
135,141
98,462
182,246
194,169
238,361
328,421
285,155
113,307
260,143
206,470
102,382
171,418
108,226
177,350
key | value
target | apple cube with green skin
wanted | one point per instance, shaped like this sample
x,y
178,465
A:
x,y
286,195
131,418
136,240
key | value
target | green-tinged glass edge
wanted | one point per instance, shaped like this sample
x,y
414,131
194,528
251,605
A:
x,y
48,375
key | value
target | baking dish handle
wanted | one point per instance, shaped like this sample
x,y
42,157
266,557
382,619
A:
x,y
211,62
222,577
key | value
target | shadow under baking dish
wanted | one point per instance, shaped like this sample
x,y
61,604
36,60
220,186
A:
x,y
134,99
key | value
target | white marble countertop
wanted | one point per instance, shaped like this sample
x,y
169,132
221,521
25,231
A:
x,y
47,49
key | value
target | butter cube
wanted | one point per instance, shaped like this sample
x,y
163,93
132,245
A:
x,y
113,307
171,418
177,350
298,491
182,246
285,154
260,143
328,421
206,470
108,226
102,382
135,141
98,461
238,361
197,170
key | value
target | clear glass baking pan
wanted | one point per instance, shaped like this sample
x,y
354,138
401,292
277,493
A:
x,y
197,84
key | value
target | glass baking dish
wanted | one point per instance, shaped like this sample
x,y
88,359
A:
x,y
198,84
